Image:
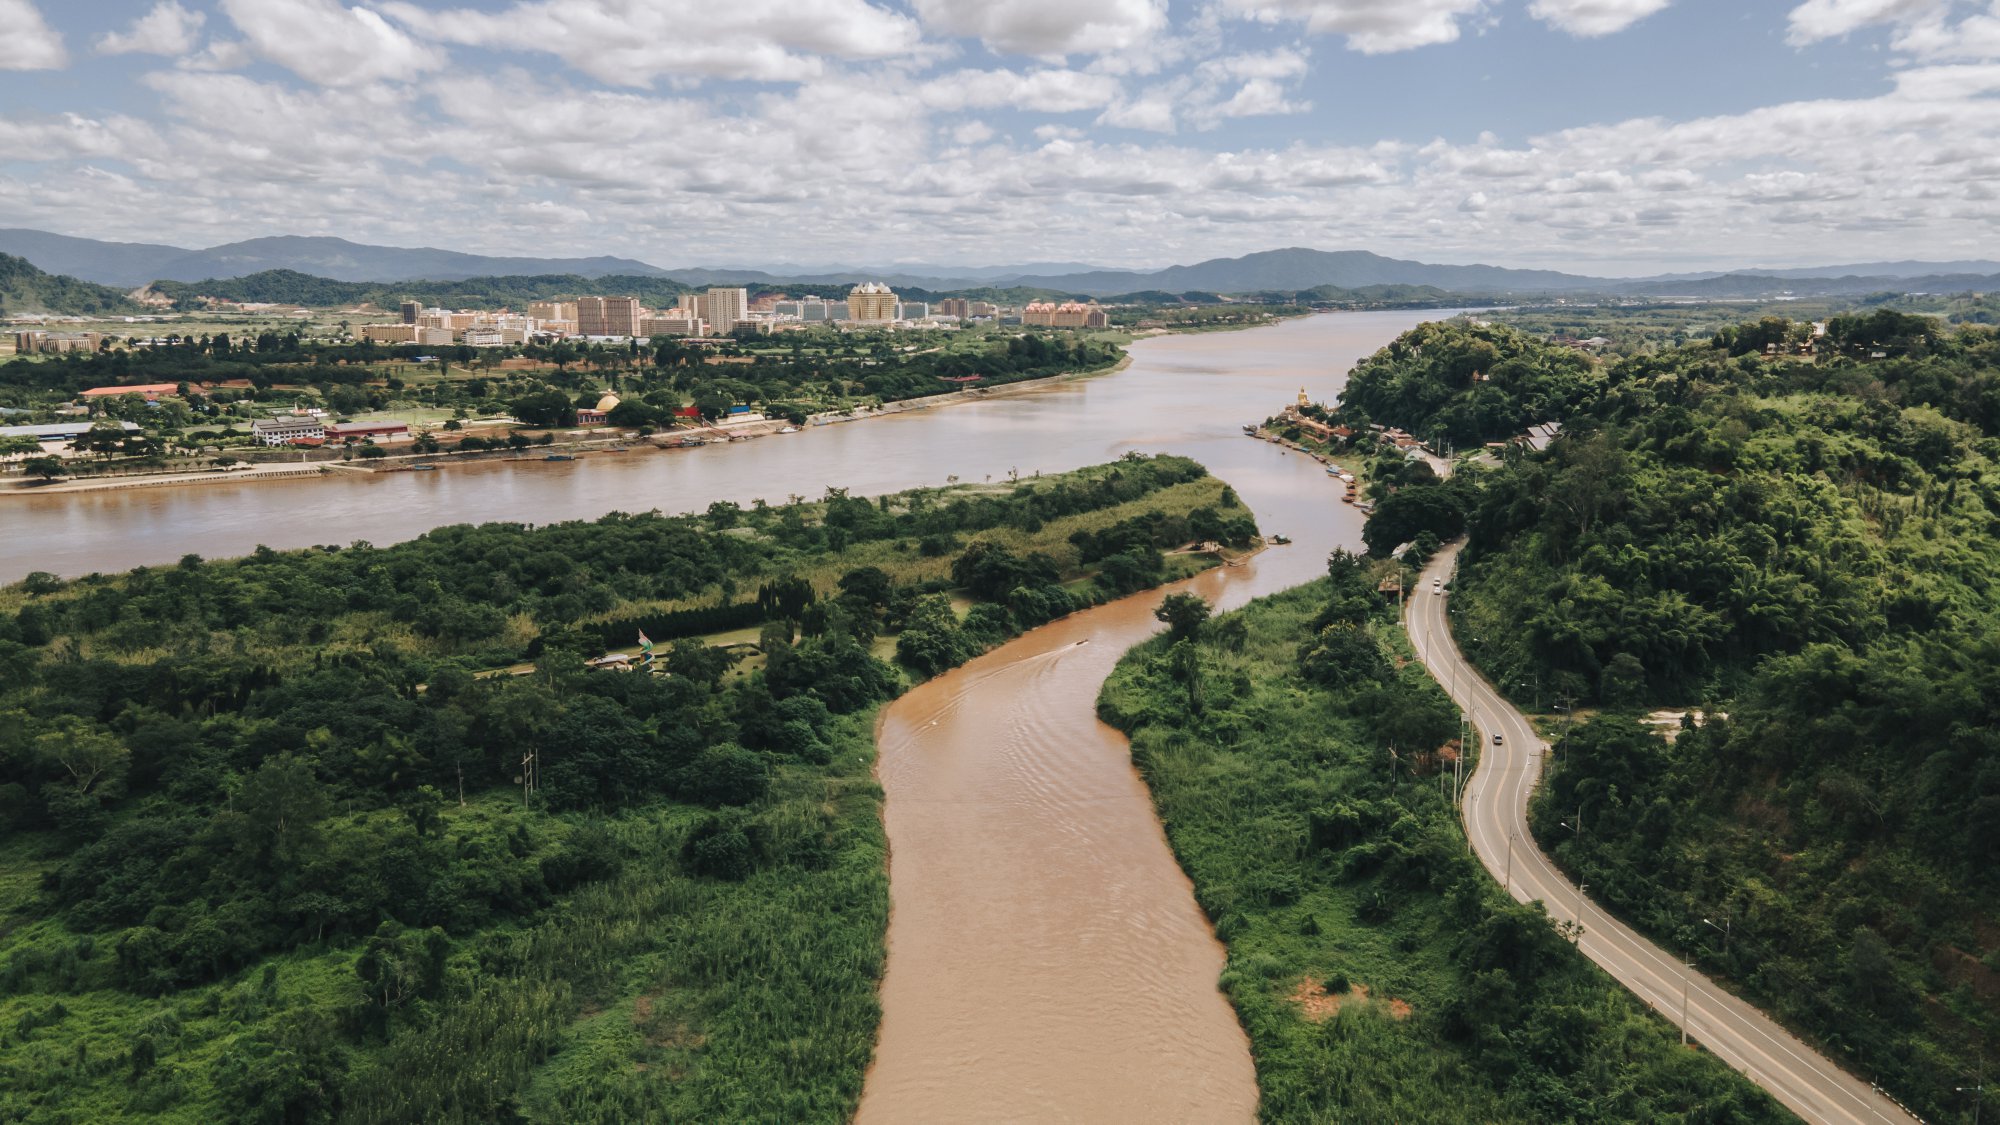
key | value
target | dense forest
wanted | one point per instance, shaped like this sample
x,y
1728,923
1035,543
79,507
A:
x,y
1806,548
355,834
1379,972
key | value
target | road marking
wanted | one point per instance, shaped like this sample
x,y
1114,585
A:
x,y
1810,1084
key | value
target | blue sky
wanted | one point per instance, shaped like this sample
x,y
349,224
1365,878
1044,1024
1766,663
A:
x,y
1607,136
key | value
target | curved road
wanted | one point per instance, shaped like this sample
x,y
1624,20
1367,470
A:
x,y
1496,819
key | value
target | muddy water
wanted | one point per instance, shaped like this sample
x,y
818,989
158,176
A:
x,y
1174,396
1047,961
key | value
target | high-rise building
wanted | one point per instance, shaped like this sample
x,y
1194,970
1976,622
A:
x,y
955,306
871,302
723,307
1069,314
607,316
412,310
552,310
912,310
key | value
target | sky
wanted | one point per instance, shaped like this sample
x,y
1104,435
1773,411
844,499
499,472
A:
x,y
1599,136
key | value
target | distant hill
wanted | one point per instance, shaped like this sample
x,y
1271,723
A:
x,y
1291,270
290,287
1905,269
1299,269
1770,285
126,264
133,264
25,289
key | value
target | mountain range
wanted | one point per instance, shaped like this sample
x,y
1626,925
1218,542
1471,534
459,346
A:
x,y
1288,270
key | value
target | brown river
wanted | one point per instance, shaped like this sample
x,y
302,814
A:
x,y
1047,961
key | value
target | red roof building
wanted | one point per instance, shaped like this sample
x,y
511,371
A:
x,y
150,390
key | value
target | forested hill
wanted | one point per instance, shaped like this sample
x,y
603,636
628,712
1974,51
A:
x,y
25,289
1808,545
290,287
1468,383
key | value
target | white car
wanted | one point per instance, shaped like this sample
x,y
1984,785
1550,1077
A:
x,y
1497,741
1437,585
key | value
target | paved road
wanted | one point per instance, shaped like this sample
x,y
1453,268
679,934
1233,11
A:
x,y
1496,817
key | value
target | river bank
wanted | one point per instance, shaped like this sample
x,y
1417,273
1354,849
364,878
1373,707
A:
x,y
556,451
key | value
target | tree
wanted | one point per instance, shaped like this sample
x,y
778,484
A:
x,y
47,467
94,760
931,641
547,408
282,803
1183,614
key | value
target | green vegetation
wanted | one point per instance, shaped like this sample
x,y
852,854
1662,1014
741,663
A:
x,y
276,850
25,289
1809,545
1637,326
1467,383
1379,972
226,383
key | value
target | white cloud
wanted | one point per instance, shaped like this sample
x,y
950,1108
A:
x,y
323,42
220,54
1589,18
1259,97
31,44
168,29
1047,28
1040,91
862,159
1815,20
1372,27
1153,111
634,42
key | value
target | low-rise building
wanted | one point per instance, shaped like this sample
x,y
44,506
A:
x,y
151,391
38,342
390,333
63,431
378,432
287,429
673,324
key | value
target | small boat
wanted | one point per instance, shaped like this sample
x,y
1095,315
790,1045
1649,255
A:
x,y
1251,430
789,430
1280,540
559,457
423,468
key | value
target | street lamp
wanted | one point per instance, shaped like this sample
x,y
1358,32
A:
x,y
1978,1098
1728,923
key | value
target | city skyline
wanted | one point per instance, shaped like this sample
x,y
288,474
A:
x,y
1597,136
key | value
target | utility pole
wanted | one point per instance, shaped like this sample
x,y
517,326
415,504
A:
x,y
1580,888
1684,1003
